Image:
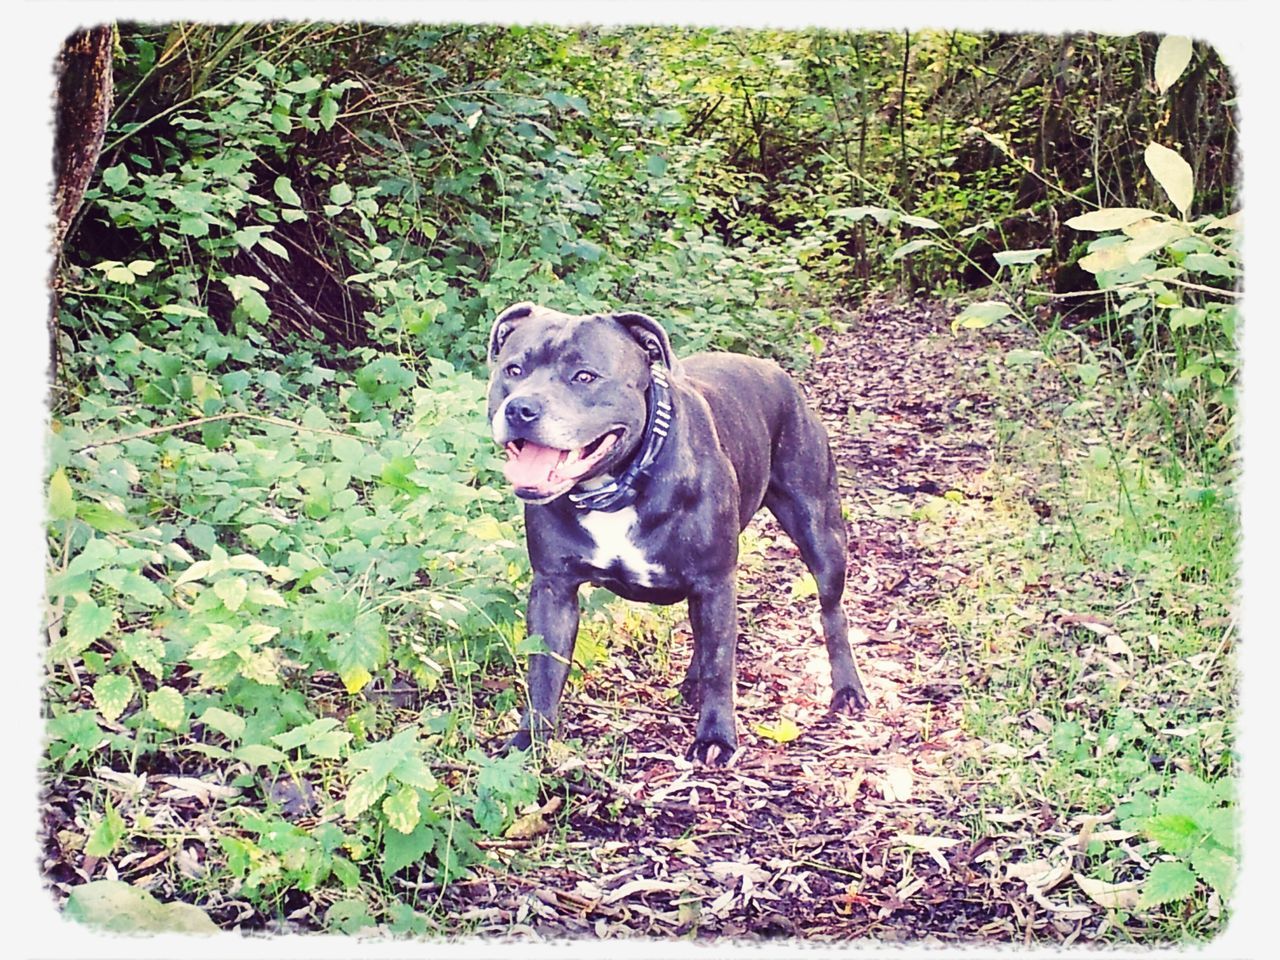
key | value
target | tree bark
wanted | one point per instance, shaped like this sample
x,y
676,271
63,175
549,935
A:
x,y
84,106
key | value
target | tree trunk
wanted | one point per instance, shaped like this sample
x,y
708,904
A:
x,y
84,106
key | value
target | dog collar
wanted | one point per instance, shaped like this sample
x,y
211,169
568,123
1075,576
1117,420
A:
x,y
621,492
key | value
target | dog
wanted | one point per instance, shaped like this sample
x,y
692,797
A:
x,y
638,471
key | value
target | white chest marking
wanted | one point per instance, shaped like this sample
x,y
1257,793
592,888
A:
x,y
610,532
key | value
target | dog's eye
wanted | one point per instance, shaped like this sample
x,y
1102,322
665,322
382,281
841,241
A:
x,y
585,376
513,370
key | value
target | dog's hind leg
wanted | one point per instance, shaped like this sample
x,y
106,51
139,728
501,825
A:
x,y
809,511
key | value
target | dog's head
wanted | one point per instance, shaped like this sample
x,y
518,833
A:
x,y
567,394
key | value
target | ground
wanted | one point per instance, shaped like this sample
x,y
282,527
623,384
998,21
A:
x,y
824,827
925,819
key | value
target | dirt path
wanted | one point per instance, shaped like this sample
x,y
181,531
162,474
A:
x,y
853,827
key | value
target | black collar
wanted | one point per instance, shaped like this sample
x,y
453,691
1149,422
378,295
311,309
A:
x,y
621,492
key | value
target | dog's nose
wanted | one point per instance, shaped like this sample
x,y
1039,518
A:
x,y
523,410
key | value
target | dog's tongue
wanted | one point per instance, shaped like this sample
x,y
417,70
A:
x,y
531,465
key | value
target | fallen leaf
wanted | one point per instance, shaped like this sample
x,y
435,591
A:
x,y
1117,896
191,788
643,886
896,784
784,731
526,827
726,869
931,845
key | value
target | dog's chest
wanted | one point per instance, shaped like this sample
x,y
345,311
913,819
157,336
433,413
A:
x,y
614,551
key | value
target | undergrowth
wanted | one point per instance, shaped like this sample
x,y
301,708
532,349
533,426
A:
x,y
1097,627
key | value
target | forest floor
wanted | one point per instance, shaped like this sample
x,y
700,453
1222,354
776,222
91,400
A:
x,y
1017,699
824,827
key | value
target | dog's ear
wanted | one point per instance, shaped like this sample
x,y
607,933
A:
x,y
647,332
503,326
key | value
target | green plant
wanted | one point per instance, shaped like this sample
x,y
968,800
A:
x,y
1194,825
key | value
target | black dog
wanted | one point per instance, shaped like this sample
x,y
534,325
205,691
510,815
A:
x,y
638,472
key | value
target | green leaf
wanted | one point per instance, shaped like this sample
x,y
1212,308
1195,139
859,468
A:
x,y
399,850
193,226
1008,258
910,247
231,592
401,809
103,518
1214,266
116,177
1174,832
1172,173
1216,867
340,194
95,555
1172,57
62,504
328,113
145,649
107,834
303,85
138,587
274,246
328,746
119,907
167,706
364,790
86,623
348,917
1190,797
112,693
259,533
284,190
1110,218
228,724
259,755
1088,373
1169,880
981,314
413,770
364,648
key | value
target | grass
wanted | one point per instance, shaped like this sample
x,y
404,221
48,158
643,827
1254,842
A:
x,y
1097,628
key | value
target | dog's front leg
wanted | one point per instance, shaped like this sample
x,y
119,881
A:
x,y
553,614
713,614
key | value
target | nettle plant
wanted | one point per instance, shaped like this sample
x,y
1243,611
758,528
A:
x,y
1193,826
199,587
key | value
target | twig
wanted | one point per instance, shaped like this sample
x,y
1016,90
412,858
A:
x,y
617,708
200,421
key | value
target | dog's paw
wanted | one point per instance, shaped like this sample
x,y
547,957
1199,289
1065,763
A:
x,y
713,750
851,700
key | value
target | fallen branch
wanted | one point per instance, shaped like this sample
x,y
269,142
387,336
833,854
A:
x,y
201,421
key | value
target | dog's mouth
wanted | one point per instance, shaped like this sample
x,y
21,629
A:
x,y
542,473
